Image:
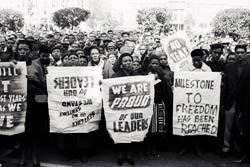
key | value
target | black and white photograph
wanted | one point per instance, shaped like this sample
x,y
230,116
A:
x,y
106,83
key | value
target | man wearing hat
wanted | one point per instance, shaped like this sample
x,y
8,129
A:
x,y
233,73
197,64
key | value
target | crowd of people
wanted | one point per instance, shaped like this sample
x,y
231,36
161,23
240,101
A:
x,y
121,54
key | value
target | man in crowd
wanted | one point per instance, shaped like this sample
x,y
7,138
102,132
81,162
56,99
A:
x,y
233,73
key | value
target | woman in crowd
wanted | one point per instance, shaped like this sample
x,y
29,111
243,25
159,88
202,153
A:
x,y
162,113
112,57
231,58
168,74
124,69
97,61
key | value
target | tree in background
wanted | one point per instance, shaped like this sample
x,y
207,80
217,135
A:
x,y
229,21
154,19
70,17
10,20
108,22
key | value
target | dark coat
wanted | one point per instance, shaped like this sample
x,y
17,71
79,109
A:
x,y
243,101
37,118
233,73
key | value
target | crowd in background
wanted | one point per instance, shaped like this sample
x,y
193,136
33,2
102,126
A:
x,y
122,53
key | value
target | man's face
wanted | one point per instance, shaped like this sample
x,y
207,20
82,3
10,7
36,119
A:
x,y
56,54
240,53
71,39
95,55
216,54
83,61
125,36
154,63
127,63
44,57
23,51
80,37
143,49
51,42
103,36
197,61
80,53
136,65
131,46
91,37
164,60
73,60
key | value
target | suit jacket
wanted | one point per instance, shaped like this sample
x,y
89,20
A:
x,y
232,78
36,85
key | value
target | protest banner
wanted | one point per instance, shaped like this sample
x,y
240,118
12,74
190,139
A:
x,y
196,103
178,49
128,107
13,97
74,99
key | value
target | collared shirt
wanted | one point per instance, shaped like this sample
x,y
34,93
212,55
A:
x,y
191,67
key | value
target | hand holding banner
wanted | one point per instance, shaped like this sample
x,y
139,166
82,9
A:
x,y
13,97
128,107
74,99
196,103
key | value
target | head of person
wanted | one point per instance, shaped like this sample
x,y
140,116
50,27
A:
x,y
73,46
56,52
119,44
110,33
216,51
240,51
131,45
71,38
73,58
125,36
112,57
57,35
197,57
143,49
44,52
51,40
80,52
83,60
94,54
80,36
126,62
103,36
154,61
231,58
24,49
91,37
65,59
163,60
136,63
111,47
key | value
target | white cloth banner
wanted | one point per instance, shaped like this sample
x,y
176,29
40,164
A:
x,y
128,107
13,97
196,103
178,49
74,99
